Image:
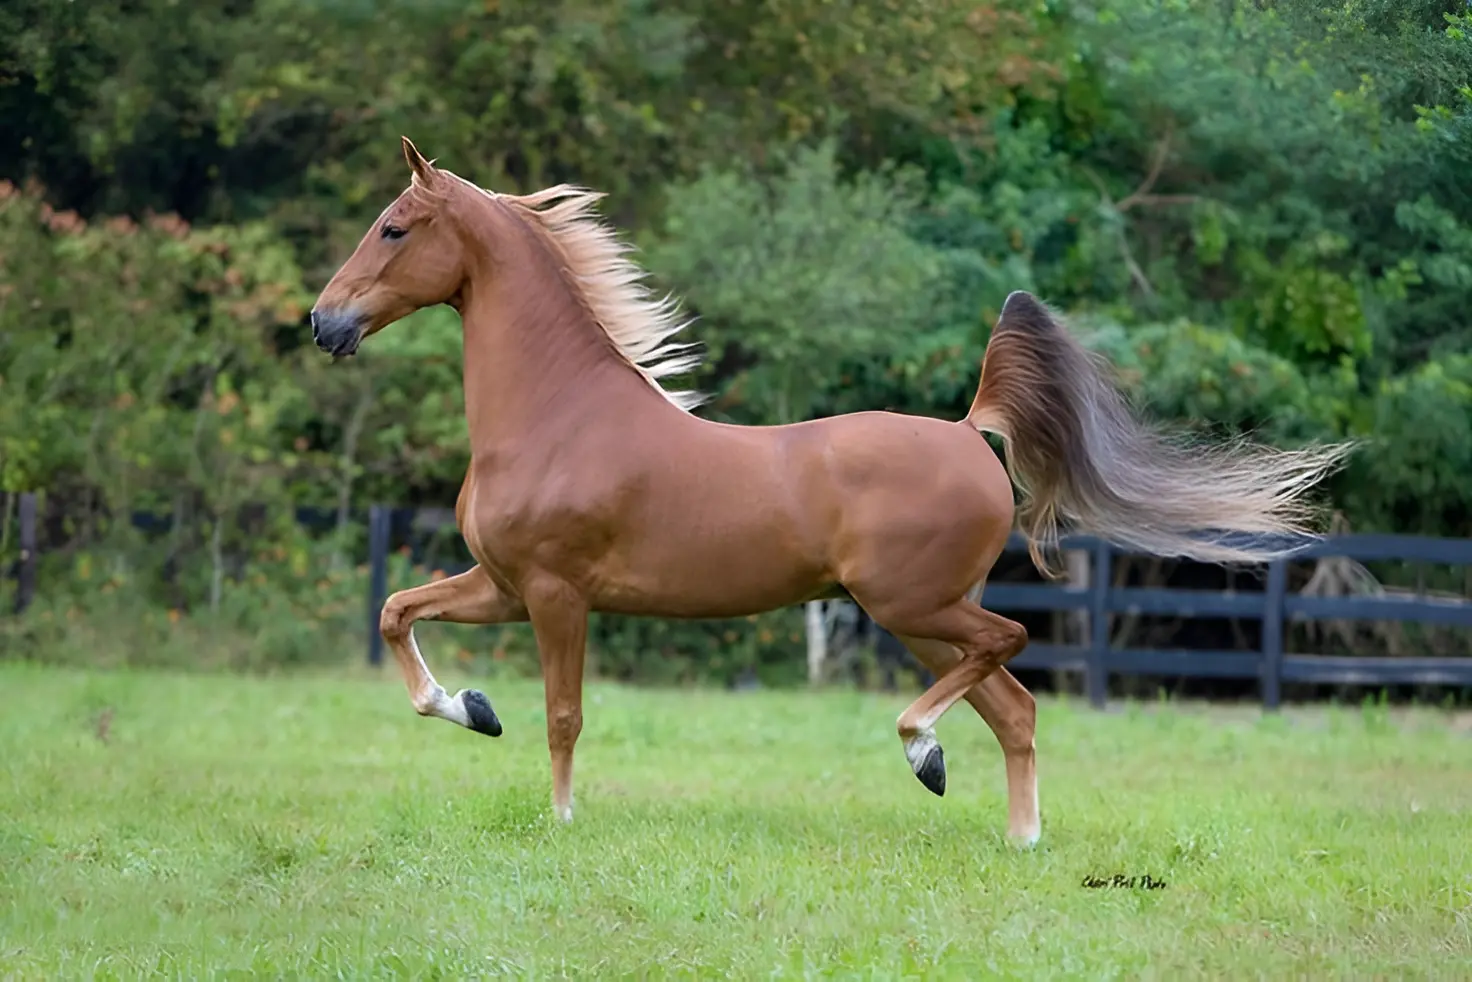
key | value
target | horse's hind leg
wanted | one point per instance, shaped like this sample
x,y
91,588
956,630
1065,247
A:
x,y
985,641
1011,712
469,598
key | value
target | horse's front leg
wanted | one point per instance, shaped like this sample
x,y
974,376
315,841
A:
x,y
559,617
469,598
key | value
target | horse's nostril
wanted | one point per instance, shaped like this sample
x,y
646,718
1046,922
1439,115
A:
x,y
314,325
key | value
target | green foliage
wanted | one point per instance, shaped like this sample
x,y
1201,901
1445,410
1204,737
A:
x,y
1189,372
1414,476
795,272
148,351
664,652
284,607
1259,211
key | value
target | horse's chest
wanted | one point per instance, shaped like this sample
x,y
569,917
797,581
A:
x,y
493,527
512,528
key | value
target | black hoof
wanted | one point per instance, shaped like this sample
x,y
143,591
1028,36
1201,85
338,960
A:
x,y
932,772
483,717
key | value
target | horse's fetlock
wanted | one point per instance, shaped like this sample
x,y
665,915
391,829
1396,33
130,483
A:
x,y
427,701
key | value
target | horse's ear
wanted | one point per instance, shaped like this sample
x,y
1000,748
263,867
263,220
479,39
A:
x,y
424,171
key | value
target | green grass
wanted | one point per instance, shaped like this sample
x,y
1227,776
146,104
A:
x,y
312,827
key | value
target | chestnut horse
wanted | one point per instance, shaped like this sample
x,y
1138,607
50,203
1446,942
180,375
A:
x,y
593,488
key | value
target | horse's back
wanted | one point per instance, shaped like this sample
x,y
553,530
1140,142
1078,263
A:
x,y
885,462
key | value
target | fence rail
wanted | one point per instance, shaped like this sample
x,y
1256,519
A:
x,y
1097,659
1270,664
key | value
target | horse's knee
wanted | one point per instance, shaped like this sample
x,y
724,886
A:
x,y
394,622
563,726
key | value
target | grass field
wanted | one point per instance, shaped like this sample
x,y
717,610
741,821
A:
x,y
316,827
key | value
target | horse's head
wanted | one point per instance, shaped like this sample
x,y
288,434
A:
x,y
411,257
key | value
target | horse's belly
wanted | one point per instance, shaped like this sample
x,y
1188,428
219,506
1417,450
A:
x,y
710,573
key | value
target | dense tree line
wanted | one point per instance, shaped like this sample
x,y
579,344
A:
x,y
1259,210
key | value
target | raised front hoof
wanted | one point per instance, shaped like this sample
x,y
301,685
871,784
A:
x,y
932,771
478,710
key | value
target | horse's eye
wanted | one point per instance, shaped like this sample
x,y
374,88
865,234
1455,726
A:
x,y
393,232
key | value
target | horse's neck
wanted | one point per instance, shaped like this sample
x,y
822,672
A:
x,y
534,364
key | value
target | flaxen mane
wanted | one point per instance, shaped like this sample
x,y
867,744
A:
x,y
612,287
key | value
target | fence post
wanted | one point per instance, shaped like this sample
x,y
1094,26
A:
x,y
1097,674
25,574
378,529
1272,634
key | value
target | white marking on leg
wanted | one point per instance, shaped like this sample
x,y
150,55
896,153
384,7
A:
x,y
437,702
1030,835
919,746
564,812
432,699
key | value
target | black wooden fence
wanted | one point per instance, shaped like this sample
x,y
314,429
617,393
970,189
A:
x,y
25,567
1270,665
1098,659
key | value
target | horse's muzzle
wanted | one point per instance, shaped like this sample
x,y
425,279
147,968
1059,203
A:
x,y
337,332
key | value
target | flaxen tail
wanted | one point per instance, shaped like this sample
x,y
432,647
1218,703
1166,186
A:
x,y
1081,458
